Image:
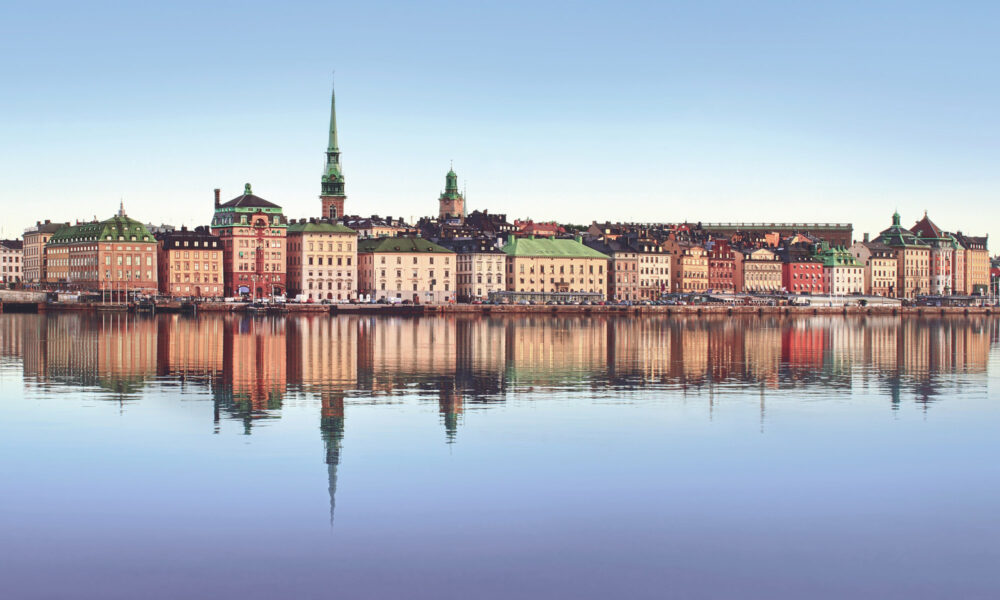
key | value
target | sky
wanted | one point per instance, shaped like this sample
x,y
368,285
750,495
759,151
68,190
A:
x,y
573,111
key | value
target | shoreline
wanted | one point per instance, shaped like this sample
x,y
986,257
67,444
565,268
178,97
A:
x,y
493,309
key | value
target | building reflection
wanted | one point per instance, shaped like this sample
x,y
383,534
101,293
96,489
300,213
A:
x,y
248,366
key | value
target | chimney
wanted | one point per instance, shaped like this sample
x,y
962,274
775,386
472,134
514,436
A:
x,y
217,193
866,237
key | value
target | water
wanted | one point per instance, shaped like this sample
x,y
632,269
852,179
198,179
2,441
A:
x,y
469,457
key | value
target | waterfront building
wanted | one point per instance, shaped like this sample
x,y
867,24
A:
x,y
332,192
252,231
405,268
912,258
322,260
842,273
451,203
976,271
554,265
941,259
623,269
35,238
757,271
11,261
721,266
116,256
189,263
802,274
688,266
879,262
654,268
479,267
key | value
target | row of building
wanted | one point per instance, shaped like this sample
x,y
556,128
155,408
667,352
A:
x,y
251,249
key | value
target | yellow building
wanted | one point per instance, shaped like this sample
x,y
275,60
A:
x,y
688,267
189,263
554,265
322,260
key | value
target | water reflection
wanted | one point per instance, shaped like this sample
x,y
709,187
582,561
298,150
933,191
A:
x,y
251,364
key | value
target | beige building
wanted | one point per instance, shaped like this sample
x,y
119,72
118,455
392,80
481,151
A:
x,y
912,259
976,268
479,268
757,271
405,269
322,260
35,239
654,269
554,265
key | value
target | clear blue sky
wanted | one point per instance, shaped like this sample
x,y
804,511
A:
x,y
572,111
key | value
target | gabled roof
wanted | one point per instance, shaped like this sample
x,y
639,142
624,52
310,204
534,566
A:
x,y
926,228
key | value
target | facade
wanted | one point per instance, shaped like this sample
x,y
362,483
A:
x,y
116,256
654,269
253,235
688,267
332,193
408,269
479,268
623,269
554,265
11,261
976,270
322,260
35,238
941,258
879,262
757,271
721,267
802,275
451,203
912,259
189,263
842,273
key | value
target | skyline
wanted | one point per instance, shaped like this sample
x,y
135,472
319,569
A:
x,y
710,113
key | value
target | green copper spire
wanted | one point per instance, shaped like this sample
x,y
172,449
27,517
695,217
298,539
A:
x,y
451,182
895,218
332,183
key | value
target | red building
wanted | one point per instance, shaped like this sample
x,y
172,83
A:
x,y
721,267
252,231
801,275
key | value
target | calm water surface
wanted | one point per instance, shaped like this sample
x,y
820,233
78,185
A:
x,y
454,457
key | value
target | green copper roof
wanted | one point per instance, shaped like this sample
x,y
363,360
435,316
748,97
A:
x,y
318,228
898,236
400,244
550,248
117,228
837,257
332,182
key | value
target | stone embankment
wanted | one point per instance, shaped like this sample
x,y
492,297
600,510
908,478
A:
x,y
26,305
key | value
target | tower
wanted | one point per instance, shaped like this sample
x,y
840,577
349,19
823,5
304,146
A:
x,y
451,201
332,183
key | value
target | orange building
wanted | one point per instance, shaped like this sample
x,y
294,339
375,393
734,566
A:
x,y
116,256
252,231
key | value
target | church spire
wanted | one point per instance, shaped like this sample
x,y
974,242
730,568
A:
x,y
332,192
